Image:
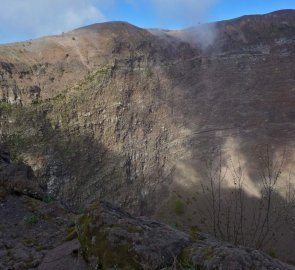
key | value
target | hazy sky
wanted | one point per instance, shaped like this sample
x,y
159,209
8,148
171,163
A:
x,y
26,19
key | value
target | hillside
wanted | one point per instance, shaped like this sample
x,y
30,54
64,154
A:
x,y
38,233
129,115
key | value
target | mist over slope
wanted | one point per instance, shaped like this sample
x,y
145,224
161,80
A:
x,y
129,115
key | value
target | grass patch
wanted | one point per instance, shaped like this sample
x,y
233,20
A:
x,y
31,219
6,106
185,260
71,233
47,199
209,253
95,244
271,252
194,232
179,207
14,143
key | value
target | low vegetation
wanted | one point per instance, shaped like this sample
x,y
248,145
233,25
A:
x,y
179,207
31,219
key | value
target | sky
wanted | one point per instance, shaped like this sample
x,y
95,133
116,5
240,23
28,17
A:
x,y
27,19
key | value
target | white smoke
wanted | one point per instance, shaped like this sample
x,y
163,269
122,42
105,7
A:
x,y
182,14
203,35
189,12
44,17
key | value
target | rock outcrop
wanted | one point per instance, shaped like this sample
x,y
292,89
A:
x,y
17,178
112,239
29,230
208,253
31,223
63,257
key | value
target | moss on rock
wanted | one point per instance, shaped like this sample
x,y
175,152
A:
x,y
71,233
100,251
112,239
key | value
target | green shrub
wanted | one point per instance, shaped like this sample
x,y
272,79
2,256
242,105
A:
x,y
71,233
194,232
47,199
6,106
185,260
209,253
31,219
271,252
179,207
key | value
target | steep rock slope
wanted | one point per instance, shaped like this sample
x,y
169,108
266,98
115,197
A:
x,y
106,131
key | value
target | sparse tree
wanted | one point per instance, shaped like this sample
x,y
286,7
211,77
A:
x,y
233,216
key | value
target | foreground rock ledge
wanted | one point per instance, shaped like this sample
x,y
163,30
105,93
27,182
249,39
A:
x,y
112,239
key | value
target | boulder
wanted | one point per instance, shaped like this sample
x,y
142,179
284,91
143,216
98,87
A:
x,y
211,254
113,239
17,178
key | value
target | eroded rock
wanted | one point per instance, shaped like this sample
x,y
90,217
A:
x,y
112,238
63,257
208,253
17,178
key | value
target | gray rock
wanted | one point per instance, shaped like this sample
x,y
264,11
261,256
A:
x,y
210,254
64,257
112,238
17,178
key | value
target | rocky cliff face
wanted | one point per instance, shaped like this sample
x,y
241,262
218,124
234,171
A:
x,y
102,127
128,115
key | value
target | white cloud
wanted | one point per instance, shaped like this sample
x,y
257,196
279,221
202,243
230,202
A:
x,y
44,17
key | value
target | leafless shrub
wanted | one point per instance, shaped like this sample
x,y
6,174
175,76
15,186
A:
x,y
230,214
